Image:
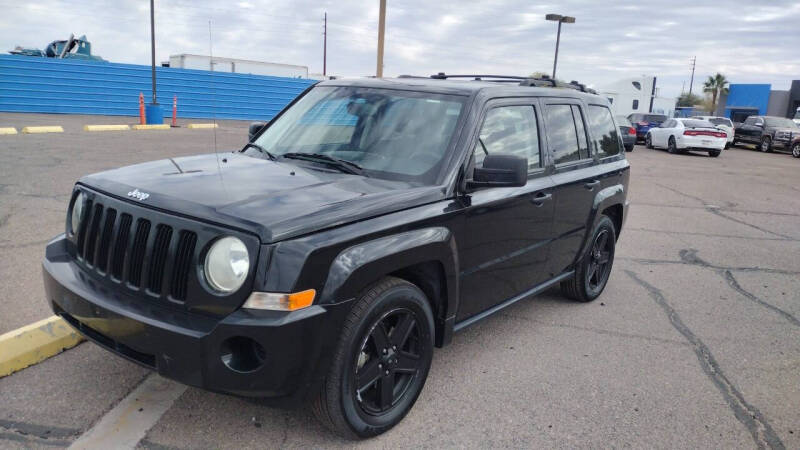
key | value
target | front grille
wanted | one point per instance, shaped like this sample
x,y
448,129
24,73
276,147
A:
x,y
135,252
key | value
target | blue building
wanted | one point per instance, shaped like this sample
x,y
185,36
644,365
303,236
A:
x,y
745,100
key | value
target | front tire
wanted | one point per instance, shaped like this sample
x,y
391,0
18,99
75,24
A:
x,y
796,150
593,270
381,361
648,141
766,144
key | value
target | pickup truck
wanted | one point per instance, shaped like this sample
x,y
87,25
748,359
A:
x,y
766,132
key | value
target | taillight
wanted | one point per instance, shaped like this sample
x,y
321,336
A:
x,y
631,130
704,133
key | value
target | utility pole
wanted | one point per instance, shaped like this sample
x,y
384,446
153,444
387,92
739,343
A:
x,y
325,44
153,48
691,80
381,26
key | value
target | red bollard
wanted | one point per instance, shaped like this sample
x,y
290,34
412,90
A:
x,y
141,108
175,111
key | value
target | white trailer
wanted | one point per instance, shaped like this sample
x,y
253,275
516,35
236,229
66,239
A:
x,y
232,65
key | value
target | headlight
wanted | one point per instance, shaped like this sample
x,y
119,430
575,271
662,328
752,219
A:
x,y
227,264
77,213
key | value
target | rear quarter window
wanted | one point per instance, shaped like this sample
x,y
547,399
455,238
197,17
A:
x,y
604,134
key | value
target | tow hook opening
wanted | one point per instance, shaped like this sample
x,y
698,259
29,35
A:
x,y
242,354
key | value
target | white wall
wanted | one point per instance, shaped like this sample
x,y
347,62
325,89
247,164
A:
x,y
202,62
623,93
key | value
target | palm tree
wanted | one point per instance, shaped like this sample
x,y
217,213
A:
x,y
716,85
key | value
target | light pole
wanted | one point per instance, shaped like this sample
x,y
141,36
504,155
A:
x,y
560,19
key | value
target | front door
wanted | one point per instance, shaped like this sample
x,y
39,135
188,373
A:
x,y
505,234
576,179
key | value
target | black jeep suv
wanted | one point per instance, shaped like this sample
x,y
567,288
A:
x,y
766,132
364,225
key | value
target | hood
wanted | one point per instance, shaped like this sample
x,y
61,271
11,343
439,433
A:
x,y
275,200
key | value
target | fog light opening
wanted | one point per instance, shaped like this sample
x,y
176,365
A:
x,y
242,354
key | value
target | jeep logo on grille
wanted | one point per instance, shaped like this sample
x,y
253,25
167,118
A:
x,y
138,195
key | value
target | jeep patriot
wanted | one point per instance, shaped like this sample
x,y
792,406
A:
x,y
368,222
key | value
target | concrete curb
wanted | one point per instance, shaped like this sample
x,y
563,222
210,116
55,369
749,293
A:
x,y
45,129
106,127
8,130
202,125
36,342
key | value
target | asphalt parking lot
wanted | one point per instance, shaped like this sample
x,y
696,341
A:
x,y
694,343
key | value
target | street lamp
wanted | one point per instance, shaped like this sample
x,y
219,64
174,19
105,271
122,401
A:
x,y
560,19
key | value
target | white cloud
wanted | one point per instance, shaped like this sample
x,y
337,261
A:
x,y
747,42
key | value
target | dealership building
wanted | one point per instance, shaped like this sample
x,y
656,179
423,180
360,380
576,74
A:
x,y
759,99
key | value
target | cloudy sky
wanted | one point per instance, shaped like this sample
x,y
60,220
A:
x,y
745,40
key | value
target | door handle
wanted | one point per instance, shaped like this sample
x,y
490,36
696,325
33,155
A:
x,y
591,184
540,198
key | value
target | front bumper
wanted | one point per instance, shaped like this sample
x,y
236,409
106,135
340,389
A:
x,y
188,347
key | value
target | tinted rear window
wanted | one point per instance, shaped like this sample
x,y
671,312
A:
x,y
697,124
720,121
657,118
604,133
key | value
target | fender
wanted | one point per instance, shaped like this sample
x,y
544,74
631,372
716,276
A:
x,y
604,198
358,266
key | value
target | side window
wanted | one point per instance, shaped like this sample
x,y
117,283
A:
x,y
604,133
635,104
581,127
509,130
561,133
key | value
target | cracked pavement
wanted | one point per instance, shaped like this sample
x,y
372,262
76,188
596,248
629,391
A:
x,y
694,343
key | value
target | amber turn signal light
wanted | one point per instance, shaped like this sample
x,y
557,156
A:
x,y
281,302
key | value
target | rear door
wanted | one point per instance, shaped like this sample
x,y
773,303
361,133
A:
x,y
506,232
575,176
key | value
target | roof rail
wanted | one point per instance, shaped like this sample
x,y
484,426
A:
x,y
543,81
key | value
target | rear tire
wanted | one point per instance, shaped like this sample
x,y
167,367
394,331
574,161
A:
x,y
629,148
381,361
593,270
671,146
796,150
713,153
766,145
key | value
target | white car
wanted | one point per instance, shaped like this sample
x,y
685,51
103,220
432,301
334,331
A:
x,y
723,123
679,135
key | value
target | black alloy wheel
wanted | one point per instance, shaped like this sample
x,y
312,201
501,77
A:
x,y
766,144
381,361
796,150
671,146
389,361
593,270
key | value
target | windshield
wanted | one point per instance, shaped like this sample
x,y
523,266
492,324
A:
x,y
391,134
779,122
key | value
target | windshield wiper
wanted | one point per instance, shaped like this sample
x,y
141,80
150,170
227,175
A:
x,y
261,149
342,164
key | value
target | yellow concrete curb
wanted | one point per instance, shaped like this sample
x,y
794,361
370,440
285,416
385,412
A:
x,y
164,126
49,129
202,125
8,130
36,342
106,127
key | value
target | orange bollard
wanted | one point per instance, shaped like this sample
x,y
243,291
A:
x,y
175,111
141,108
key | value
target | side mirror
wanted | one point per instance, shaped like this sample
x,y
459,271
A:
x,y
501,171
255,127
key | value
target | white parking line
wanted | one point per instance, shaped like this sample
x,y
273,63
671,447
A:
x,y
127,423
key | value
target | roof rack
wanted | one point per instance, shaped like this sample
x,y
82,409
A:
x,y
543,81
